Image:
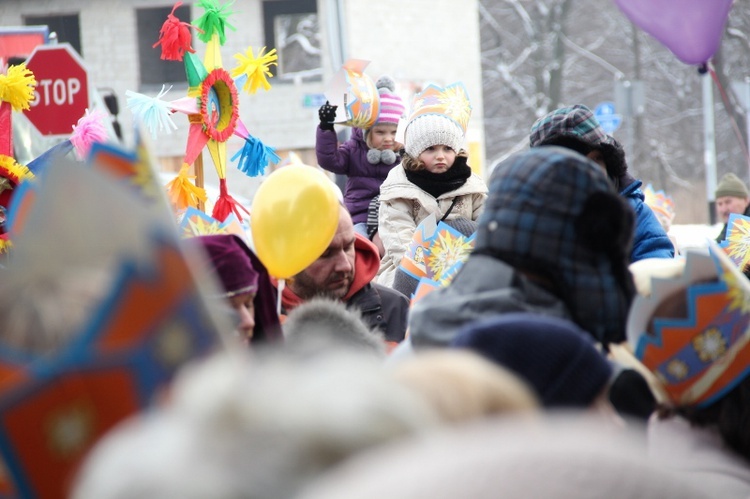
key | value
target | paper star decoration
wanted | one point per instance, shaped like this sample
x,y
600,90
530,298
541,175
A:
x,y
212,107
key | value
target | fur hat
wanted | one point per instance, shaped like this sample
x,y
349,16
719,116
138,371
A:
x,y
553,212
439,116
320,325
731,185
392,108
553,355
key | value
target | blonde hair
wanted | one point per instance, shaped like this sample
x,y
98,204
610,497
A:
x,y
366,132
414,164
463,386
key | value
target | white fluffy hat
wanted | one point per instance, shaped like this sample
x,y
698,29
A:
x,y
432,130
439,116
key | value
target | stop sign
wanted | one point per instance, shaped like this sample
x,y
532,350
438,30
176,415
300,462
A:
x,y
62,89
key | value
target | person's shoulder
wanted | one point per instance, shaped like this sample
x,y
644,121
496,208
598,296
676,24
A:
x,y
386,292
478,182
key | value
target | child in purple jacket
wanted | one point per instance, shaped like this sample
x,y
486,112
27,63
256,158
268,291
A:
x,y
366,158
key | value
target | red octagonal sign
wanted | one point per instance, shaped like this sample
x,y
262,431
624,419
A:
x,y
62,89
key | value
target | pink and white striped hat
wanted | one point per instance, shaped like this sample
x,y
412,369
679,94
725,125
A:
x,y
392,108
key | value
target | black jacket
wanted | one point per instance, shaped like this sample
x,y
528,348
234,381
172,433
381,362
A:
x,y
382,308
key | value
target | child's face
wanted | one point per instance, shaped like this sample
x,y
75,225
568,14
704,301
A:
x,y
383,137
438,159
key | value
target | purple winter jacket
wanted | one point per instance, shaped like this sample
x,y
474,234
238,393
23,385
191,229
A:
x,y
350,159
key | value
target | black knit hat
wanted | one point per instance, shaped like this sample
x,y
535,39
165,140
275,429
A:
x,y
554,355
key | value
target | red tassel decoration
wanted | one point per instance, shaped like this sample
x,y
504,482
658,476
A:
x,y
174,37
226,204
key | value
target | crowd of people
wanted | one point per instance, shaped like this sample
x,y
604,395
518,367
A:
x,y
574,353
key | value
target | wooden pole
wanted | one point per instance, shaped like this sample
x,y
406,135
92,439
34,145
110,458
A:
x,y
198,170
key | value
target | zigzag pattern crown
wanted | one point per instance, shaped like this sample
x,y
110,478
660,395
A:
x,y
451,101
660,203
699,347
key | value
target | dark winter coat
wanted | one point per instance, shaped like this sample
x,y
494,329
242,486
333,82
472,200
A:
x,y
350,159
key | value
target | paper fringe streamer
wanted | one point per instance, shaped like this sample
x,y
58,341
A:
x,y
254,157
5,244
154,113
255,69
226,204
89,130
213,20
182,192
175,37
17,87
13,171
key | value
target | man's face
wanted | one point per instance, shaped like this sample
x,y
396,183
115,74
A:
x,y
727,205
331,275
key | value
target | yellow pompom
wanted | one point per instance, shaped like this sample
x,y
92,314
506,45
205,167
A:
x,y
17,87
183,193
5,245
13,171
255,68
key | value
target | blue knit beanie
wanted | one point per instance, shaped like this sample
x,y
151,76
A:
x,y
553,355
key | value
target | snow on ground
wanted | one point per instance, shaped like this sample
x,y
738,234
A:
x,y
694,236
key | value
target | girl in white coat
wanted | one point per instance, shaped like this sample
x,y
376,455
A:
x,y
433,178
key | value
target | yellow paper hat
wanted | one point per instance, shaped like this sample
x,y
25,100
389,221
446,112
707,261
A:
x,y
439,116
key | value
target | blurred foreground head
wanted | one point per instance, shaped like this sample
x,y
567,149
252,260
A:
x,y
462,386
257,429
558,359
322,325
516,459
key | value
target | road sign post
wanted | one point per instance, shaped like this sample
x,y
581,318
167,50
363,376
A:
x,y
62,92
607,118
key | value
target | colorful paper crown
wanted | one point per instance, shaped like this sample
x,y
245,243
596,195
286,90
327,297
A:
x,y
660,203
355,94
436,253
737,240
451,101
701,353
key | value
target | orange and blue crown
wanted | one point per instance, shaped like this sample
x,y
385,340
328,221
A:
x,y
702,353
660,203
451,101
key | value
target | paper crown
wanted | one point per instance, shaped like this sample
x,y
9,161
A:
x,y
451,101
703,351
737,240
436,253
660,203
355,95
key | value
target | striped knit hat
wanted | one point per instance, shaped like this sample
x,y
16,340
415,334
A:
x,y
391,106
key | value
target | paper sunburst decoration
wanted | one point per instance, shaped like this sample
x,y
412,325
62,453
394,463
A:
x,y
212,107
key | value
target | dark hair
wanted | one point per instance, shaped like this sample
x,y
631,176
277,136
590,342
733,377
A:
x,y
613,154
729,416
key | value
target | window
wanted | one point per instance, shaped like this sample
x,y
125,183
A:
x,y
291,26
67,27
154,70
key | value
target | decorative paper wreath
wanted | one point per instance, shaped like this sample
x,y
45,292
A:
x,y
219,97
211,105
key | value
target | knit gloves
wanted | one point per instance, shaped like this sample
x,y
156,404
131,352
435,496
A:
x,y
326,114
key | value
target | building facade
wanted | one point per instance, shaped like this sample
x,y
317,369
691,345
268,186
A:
x,y
414,42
